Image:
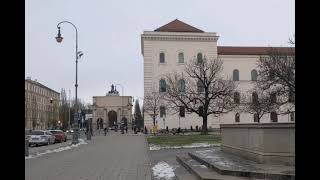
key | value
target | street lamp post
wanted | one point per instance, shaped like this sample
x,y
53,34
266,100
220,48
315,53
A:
x,y
59,39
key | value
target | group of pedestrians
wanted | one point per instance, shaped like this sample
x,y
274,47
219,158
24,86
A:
x,y
122,128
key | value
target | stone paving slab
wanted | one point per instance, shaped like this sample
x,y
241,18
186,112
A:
x,y
225,163
202,171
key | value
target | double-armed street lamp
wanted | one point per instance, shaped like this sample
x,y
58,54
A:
x,y
59,39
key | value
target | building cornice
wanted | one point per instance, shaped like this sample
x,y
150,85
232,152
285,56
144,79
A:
x,y
40,85
177,36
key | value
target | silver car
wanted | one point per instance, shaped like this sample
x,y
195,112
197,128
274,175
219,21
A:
x,y
41,137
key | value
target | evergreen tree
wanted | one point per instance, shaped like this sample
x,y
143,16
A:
x,y
137,115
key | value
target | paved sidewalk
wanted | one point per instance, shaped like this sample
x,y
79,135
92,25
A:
x,y
114,157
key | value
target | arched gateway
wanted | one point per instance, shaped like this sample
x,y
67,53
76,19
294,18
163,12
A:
x,y
112,116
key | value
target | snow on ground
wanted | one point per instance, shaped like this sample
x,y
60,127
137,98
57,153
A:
x,y
154,147
81,141
201,165
163,170
210,154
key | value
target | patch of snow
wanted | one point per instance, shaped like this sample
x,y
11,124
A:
x,y
216,159
202,166
81,141
163,170
153,147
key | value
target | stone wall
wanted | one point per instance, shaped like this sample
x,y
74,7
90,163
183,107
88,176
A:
x,y
271,143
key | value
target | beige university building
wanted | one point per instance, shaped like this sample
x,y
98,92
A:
x,y
169,47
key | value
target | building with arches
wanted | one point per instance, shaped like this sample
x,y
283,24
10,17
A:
x,y
110,109
169,47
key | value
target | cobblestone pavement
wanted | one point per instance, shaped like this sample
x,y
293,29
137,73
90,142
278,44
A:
x,y
111,157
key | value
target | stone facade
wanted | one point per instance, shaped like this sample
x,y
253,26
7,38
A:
x,y
177,37
41,106
111,109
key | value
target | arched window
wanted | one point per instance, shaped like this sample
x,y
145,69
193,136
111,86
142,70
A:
x,y
254,97
162,111
235,75
237,117
255,117
182,86
162,57
200,86
236,98
273,98
181,58
199,58
162,85
274,117
254,75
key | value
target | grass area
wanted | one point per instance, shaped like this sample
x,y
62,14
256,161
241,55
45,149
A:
x,y
178,140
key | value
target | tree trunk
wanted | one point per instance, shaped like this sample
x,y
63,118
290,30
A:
x,y
204,125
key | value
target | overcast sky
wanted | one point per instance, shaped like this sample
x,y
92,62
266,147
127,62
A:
x,y
109,35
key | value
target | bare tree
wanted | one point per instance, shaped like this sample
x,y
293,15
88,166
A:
x,y
258,103
200,89
64,109
152,103
277,72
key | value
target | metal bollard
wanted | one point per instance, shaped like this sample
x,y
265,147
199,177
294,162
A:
x,y
26,152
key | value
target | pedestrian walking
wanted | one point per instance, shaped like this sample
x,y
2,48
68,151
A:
x,y
145,130
105,131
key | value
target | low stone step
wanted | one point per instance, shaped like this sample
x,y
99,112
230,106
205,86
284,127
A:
x,y
226,164
202,171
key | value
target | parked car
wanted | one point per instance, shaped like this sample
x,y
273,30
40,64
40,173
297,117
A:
x,y
41,137
69,131
27,133
59,135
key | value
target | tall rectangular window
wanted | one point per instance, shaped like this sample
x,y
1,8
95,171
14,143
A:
x,y
162,57
182,111
162,111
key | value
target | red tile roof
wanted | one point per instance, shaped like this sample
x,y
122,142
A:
x,y
178,26
238,50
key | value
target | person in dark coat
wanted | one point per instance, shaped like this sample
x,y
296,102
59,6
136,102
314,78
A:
x,y
145,130
126,129
105,131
